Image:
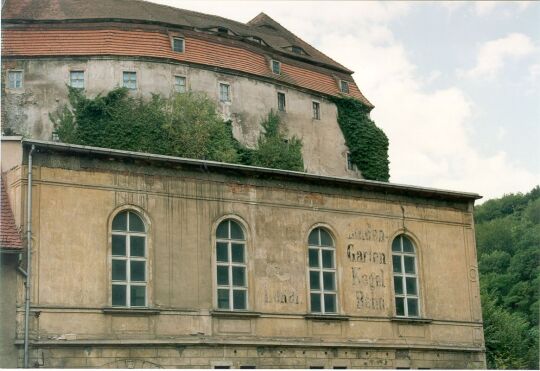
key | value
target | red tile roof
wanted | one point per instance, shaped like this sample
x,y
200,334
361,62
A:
x,y
145,43
10,238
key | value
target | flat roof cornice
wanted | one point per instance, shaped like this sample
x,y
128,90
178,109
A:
x,y
370,185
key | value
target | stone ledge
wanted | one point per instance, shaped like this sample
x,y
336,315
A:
x,y
131,311
234,314
416,321
326,317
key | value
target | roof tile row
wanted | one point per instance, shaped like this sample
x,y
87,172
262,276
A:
x,y
10,238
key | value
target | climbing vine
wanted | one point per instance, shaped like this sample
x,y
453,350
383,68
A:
x,y
368,145
184,125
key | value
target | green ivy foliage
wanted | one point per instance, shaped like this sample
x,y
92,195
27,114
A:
x,y
367,143
508,236
184,125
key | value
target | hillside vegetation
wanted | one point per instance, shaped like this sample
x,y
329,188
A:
x,y
508,241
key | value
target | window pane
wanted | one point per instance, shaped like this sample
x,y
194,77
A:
x,y
136,246
222,252
412,307
328,259
239,299
119,295
411,285
239,276
313,239
138,296
222,275
314,282
326,239
135,223
396,244
237,252
118,245
223,230
409,264
315,302
178,45
313,258
398,285
329,281
400,308
236,231
138,270
396,263
223,299
120,222
118,270
407,245
330,303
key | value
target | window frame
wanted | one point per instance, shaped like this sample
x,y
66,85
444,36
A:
x,y
316,112
178,38
344,86
230,287
229,93
404,275
321,270
127,282
273,63
279,108
175,84
12,72
71,72
349,162
130,73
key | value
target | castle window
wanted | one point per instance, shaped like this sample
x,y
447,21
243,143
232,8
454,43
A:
x,y
322,272
76,79
130,80
231,266
178,44
344,86
224,92
179,84
128,263
316,110
15,79
405,277
276,67
281,102
350,164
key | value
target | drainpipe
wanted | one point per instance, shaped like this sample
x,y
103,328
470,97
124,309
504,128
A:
x,y
28,256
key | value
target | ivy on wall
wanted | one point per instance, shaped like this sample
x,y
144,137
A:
x,y
368,145
184,125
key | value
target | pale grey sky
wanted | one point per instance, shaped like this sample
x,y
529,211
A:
x,y
456,85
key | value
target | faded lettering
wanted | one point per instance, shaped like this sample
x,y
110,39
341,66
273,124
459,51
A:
x,y
365,256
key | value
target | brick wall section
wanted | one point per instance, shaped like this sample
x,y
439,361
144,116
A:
x,y
45,43
261,357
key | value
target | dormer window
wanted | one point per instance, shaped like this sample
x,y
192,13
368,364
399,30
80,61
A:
x,y
344,86
222,30
276,67
178,44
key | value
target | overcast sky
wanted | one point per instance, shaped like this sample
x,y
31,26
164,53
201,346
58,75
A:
x,y
456,86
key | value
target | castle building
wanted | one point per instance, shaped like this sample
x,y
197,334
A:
x,y
140,260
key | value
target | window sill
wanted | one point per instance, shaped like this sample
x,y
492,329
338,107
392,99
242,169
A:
x,y
131,311
234,314
326,317
419,321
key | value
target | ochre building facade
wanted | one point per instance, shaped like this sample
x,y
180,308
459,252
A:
x,y
292,238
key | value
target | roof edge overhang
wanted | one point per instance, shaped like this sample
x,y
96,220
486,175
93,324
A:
x,y
362,184
167,25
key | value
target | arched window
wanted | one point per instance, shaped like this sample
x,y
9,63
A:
x,y
129,253
322,272
231,272
405,277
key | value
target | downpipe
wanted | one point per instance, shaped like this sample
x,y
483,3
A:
x,y
28,282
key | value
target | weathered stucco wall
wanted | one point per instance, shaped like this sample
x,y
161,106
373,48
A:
x,y
27,109
76,197
8,289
